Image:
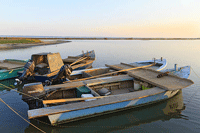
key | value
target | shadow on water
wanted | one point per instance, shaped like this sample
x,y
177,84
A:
x,y
162,111
9,83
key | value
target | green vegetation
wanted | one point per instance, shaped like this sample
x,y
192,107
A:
x,y
9,40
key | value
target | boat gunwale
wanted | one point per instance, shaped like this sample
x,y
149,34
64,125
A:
x,y
110,111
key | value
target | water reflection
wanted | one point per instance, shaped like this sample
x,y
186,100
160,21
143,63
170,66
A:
x,y
164,111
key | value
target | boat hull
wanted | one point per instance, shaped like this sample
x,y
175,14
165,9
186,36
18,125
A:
x,y
109,108
84,67
7,74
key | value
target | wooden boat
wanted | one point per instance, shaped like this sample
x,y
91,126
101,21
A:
x,y
10,67
47,66
85,64
162,111
91,97
160,64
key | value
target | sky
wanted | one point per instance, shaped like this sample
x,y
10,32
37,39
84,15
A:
x,y
101,18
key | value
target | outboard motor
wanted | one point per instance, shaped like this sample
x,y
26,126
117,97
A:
x,y
32,92
28,70
64,73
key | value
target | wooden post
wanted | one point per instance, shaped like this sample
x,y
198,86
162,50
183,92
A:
x,y
175,67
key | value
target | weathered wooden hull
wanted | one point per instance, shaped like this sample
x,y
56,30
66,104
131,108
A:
x,y
164,111
86,66
163,62
110,108
108,104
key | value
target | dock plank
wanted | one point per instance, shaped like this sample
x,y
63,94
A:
x,y
169,82
118,66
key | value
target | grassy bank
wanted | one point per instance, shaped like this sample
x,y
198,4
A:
x,y
9,40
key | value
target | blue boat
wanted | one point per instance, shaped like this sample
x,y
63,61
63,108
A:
x,y
91,97
45,67
162,111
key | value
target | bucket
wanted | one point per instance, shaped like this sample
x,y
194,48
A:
x,y
137,85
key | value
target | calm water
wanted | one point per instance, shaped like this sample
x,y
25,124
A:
x,y
179,114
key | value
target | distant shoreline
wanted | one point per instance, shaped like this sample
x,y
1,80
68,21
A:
x,y
110,38
20,45
59,40
97,38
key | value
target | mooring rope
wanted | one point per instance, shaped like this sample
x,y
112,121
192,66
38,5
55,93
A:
x,y
195,73
20,92
195,92
21,116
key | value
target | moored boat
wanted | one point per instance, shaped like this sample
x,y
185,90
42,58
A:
x,y
10,67
85,64
51,67
159,64
87,98
162,111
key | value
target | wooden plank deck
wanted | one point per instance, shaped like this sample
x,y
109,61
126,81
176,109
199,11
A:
x,y
122,66
118,66
169,82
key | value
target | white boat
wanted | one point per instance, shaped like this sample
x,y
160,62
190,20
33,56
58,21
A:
x,y
160,64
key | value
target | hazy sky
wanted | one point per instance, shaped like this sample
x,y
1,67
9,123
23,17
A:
x,y
101,18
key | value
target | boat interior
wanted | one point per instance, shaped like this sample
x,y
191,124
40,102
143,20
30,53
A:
x,y
113,84
106,86
93,72
72,59
116,83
